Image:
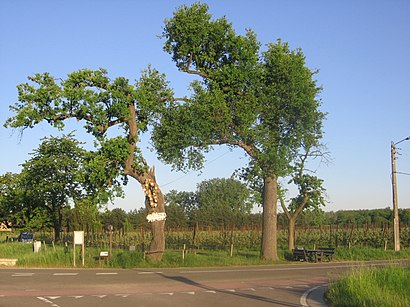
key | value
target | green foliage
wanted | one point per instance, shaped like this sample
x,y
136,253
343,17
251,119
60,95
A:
x,y
115,217
216,202
99,103
53,177
372,287
262,102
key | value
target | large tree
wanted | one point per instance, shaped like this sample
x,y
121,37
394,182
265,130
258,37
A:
x,y
262,102
54,177
100,103
18,204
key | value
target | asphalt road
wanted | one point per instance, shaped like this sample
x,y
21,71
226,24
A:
x,y
297,284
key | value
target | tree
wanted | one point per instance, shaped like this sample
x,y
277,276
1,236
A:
x,y
222,201
116,217
310,193
53,176
19,206
186,200
100,104
263,103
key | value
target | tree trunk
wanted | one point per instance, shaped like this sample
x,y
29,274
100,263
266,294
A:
x,y
154,199
269,219
291,234
155,203
57,222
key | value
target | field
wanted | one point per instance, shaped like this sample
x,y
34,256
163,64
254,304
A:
x,y
205,247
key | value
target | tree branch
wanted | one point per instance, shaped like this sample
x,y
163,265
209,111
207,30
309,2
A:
x,y
285,209
194,72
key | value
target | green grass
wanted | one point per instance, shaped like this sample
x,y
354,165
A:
x,y
59,256
367,253
387,286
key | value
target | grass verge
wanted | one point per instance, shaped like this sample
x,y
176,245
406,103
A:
x,y
387,286
60,256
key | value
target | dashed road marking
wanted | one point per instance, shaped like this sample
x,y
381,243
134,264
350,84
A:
x,y
106,273
247,289
267,288
100,296
22,274
47,301
123,295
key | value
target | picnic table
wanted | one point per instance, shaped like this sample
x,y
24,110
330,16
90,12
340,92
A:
x,y
313,255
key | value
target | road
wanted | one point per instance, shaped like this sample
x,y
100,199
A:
x,y
276,285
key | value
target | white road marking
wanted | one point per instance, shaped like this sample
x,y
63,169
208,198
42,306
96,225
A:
x,y
47,301
267,288
210,291
247,289
22,274
100,296
303,298
122,295
53,297
190,292
147,273
106,273
76,296
65,274
168,293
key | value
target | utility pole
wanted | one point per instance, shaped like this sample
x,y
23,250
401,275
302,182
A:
x,y
396,226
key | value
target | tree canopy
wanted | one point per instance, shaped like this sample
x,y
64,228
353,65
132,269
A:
x,y
264,102
101,103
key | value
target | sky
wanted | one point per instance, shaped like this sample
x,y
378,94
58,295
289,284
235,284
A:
x,y
361,49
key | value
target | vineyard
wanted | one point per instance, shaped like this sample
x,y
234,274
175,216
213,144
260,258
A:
x,y
373,236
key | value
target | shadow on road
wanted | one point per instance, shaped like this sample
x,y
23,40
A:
x,y
244,295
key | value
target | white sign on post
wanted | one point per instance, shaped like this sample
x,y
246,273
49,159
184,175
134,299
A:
x,y
78,240
78,237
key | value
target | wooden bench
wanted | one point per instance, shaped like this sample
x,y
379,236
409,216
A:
x,y
328,252
300,254
313,255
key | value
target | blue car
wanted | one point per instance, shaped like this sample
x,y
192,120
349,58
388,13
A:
x,y
26,237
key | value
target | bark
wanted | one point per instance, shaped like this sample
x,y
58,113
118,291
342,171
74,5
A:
x,y
269,219
154,198
157,245
57,221
292,217
291,234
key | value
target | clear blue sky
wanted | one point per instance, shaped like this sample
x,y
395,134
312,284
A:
x,y
360,47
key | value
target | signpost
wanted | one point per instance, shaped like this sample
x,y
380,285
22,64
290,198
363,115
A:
x,y
78,240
